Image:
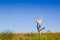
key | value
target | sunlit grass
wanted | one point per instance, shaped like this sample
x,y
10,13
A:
x,y
30,36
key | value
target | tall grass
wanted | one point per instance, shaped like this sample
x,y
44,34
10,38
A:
x,y
30,36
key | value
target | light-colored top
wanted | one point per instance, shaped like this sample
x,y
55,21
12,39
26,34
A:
x,y
39,20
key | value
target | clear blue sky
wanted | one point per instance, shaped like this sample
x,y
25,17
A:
x,y
19,15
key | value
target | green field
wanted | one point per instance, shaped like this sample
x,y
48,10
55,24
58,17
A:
x,y
30,36
43,36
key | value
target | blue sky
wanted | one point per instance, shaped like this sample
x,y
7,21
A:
x,y
19,15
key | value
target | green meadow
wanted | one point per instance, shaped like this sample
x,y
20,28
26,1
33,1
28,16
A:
x,y
30,36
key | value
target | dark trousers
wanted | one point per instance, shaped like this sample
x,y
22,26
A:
x,y
38,26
